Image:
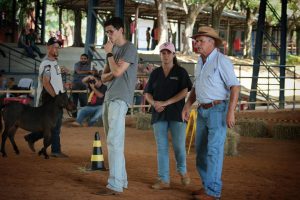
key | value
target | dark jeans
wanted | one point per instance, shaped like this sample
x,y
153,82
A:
x,y
36,49
82,98
28,49
55,147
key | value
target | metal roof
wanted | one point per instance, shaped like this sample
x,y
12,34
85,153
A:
x,y
147,10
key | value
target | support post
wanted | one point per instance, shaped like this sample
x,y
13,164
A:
x,y
91,27
119,8
257,52
179,35
283,27
43,20
136,33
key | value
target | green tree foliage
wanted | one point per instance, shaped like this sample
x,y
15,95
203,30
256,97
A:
x,y
6,6
270,16
22,6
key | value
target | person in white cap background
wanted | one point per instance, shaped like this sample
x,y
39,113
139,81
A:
x,y
50,84
216,90
166,90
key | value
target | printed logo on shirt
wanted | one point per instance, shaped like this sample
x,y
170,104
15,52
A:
x,y
47,68
174,78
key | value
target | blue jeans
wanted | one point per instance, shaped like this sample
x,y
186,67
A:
x,y
114,113
177,130
94,112
209,142
55,145
82,98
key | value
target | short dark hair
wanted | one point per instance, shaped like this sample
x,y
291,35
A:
x,y
85,55
116,22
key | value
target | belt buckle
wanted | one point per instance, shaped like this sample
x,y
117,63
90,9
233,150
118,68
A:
x,y
205,105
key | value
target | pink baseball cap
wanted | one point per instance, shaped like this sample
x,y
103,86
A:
x,y
168,46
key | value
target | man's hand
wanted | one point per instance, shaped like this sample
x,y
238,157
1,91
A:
x,y
64,70
185,114
108,47
68,85
230,119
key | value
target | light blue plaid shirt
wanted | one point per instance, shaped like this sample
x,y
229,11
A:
x,y
214,79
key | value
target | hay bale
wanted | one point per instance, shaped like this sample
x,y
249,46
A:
x,y
130,121
231,143
253,128
143,121
286,131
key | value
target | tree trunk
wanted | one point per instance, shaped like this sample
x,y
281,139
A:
x,y
248,33
230,41
216,16
77,35
162,23
188,32
216,13
298,40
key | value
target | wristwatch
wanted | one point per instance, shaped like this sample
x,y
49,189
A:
x,y
109,55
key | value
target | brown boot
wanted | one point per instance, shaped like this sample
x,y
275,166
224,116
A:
x,y
185,179
205,197
198,192
160,185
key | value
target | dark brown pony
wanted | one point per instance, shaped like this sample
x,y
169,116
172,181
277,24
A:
x,y
34,119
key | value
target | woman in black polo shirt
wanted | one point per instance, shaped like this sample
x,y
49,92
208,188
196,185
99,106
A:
x,y
166,90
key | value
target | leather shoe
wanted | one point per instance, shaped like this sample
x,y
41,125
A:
x,y
205,197
107,192
30,143
198,192
59,155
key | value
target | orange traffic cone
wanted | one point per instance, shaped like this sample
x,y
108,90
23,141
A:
x,y
97,158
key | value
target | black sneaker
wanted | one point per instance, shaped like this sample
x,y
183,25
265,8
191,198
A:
x,y
59,155
107,192
30,143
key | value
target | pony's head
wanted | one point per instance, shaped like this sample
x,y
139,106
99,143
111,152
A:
x,y
64,101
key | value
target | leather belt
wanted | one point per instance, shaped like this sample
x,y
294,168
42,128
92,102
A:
x,y
209,105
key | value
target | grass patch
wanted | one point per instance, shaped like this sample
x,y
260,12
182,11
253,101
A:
x,y
292,60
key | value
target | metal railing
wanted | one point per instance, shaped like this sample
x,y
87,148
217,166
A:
x,y
268,87
267,91
18,56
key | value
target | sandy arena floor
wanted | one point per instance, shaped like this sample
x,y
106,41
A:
x,y
264,169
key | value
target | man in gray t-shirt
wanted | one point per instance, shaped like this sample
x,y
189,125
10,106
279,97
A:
x,y
122,87
120,74
81,69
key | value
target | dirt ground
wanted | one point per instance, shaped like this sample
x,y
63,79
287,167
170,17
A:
x,y
265,168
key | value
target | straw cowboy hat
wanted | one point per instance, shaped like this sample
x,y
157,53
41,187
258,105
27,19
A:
x,y
209,32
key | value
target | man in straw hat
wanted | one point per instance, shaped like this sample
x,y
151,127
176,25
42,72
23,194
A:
x,y
216,91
